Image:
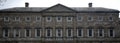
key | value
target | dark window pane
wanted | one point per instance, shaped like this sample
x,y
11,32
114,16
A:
x,y
27,32
69,32
79,32
38,32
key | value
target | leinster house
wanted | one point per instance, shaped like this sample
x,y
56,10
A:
x,y
59,24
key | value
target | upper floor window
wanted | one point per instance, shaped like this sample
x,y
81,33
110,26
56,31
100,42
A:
x,y
38,18
59,19
110,18
69,19
48,19
5,31
111,32
27,19
79,32
16,31
6,18
90,18
100,32
38,32
90,32
100,18
17,18
79,18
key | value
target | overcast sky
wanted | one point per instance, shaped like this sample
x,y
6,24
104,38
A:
x,y
113,4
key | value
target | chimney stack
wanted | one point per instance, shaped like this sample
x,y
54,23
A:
x,y
26,4
90,4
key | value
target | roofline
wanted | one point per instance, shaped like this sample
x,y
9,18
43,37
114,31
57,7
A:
x,y
60,12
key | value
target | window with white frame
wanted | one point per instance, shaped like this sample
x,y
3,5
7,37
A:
x,y
16,31
58,32
38,18
59,19
100,18
17,18
48,32
111,32
48,19
38,32
27,32
69,19
27,19
100,32
6,18
90,32
110,18
6,31
90,18
69,32
79,18
79,32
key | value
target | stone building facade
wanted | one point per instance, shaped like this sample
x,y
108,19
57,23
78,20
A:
x,y
59,24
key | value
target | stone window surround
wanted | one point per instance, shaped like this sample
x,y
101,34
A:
x,y
6,18
60,19
88,33
102,33
81,33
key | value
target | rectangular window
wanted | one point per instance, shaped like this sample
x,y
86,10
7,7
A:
x,y
110,18
16,33
69,32
100,18
58,32
27,33
5,33
48,33
38,32
48,19
100,32
79,18
69,19
90,18
79,32
111,32
27,19
59,19
38,18
17,19
6,18
90,32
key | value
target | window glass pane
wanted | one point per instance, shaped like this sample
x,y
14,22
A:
x,y
100,32
27,32
79,32
69,32
48,32
111,32
6,32
38,32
